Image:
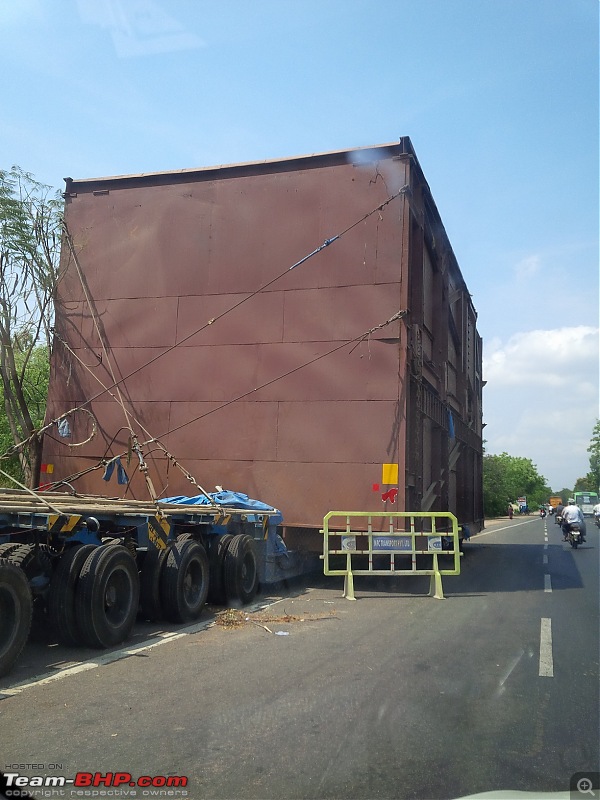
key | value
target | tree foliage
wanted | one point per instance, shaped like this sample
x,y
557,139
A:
x,y
507,477
583,485
593,476
30,237
35,391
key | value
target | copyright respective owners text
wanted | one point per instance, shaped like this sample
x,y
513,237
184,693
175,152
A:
x,y
585,785
118,784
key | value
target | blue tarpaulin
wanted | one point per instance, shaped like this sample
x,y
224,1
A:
x,y
230,500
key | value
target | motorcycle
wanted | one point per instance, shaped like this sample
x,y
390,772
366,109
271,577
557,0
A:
x,y
574,534
597,520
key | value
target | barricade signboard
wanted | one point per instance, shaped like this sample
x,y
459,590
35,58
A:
x,y
414,543
386,543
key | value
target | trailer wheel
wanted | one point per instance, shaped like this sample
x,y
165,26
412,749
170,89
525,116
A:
x,y
7,548
150,604
16,609
216,587
61,599
184,581
107,596
241,570
34,562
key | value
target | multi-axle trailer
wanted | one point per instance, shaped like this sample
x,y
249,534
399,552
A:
x,y
299,329
89,566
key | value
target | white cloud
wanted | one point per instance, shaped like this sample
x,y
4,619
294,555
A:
x,y
528,267
543,357
138,27
541,399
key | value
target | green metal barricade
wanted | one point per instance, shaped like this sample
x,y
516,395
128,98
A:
x,y
404,536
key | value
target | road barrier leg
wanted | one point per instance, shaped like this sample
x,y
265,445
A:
x,y
435,584
349,580
435,587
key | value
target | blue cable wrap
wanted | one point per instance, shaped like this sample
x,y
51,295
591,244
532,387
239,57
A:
x,y
64,429
121,474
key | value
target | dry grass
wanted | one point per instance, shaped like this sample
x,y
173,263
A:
x,y
233,618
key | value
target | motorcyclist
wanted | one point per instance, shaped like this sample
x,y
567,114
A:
x,y
558,514
570,514
596,513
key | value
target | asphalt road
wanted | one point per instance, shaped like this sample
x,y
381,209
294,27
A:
x,y
397,695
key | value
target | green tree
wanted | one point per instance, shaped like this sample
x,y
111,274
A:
x,y
35,390
507,477
583,485
593,475
30,236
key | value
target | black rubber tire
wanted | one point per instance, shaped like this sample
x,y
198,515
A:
x,y
61,598
150,602
7,548
33,562
216,588
16,609
241,570
107,596
184,581
574,544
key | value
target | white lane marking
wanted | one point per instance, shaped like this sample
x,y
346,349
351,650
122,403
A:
x,y
84,666
161,637
546,663
545,559
505,528
547,583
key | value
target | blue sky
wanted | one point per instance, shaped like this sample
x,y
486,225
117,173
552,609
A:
x,y
499,98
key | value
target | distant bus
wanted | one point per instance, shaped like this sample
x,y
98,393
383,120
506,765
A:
x,y
586,501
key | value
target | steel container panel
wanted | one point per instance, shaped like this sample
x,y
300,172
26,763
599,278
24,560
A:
x,y
258,377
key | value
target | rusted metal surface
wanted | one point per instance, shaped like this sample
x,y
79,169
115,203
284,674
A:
x,y
255,377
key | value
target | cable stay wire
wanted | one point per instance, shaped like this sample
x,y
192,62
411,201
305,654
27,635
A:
x,y
355,341
116,384
144,430
130,418
157,439
262,288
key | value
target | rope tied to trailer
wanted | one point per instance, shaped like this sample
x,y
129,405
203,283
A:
x,y
245,299
356,341
119,398
31,492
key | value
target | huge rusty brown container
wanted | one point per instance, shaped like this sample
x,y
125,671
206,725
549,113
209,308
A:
x,y
180,320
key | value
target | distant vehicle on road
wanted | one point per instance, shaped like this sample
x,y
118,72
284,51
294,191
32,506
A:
x,y
586,502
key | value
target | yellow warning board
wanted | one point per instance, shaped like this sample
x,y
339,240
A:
x,y
158,532
63,523
389,474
